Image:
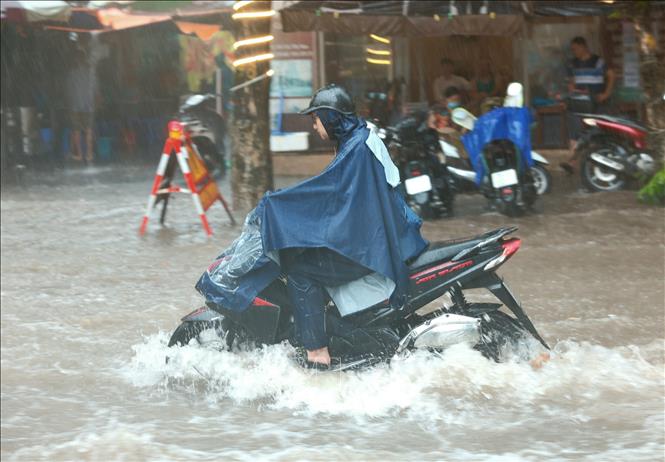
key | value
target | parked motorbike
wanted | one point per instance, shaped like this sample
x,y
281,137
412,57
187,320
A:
x,y
510,182
207,130
613,153
464,175
413,147
383,332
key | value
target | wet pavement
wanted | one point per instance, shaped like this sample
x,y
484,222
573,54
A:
x,y
88,306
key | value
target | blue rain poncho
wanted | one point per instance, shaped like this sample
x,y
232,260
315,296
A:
x,y
509,123
353,208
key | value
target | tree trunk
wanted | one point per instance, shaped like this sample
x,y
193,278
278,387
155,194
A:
x,y
652,74
251,174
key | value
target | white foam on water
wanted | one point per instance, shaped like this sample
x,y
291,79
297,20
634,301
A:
x,y
452,387
113,442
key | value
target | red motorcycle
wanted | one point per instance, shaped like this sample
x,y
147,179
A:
x,y
613,153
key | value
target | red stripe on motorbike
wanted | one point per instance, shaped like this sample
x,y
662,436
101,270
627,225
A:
x,y
444,271
429,270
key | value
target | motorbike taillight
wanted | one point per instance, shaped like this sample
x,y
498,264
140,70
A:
x,y
416,172
510,246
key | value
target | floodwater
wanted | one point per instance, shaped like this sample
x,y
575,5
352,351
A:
x,y
88,306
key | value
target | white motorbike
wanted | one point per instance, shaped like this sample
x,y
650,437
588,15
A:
x,y
460,166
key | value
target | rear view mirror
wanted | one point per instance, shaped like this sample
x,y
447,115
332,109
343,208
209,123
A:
x,y
514,95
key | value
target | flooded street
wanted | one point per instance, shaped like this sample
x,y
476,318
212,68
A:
x,y
88,306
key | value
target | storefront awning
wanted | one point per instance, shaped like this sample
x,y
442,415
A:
x,y
116,19
504,25
295,20
202,31
204,23
435,18
392,25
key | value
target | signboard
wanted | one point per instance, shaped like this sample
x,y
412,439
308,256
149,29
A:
x,y
206,187
292,79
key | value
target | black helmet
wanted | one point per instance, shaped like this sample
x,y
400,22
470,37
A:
x,y
331,97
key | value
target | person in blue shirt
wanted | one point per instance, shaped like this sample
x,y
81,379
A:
x,y
588,75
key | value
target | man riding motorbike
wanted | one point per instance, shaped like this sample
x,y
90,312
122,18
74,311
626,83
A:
x,y
346,233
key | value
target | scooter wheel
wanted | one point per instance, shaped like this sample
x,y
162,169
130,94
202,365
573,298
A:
x,y
542,179
596,178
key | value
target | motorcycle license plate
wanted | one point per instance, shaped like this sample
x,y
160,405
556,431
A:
x,y
504,178
418,184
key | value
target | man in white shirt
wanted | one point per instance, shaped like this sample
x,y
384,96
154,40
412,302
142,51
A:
x,y
446,80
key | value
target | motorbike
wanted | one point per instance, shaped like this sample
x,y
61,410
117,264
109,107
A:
x,y
427,185
613,153
462,171
384,332
510,184
207,130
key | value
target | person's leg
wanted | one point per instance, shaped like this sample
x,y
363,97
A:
x,y
308,273
77,152
86,127
574,128
56,144
75,140
88,144
309,299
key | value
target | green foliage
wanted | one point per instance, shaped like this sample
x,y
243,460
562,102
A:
x,y
654,191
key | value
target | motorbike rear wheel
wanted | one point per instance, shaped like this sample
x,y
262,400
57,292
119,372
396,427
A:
x,y
596,178
498,331
542,179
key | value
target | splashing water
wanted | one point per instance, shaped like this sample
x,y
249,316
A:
x,y
422,384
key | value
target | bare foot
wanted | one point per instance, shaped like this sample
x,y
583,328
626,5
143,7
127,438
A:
x,y
539,360
321,356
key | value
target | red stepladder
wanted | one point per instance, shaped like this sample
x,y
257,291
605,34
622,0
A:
x,y
199,182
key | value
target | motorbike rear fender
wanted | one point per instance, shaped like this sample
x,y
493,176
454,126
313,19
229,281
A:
x,y
537,158
268,318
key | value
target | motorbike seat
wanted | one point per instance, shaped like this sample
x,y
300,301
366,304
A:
x,y
442,251
619,120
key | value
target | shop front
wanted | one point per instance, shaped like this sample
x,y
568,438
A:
x,y
498,42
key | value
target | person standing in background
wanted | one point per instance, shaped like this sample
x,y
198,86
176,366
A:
x,y
588,75
81,95
446,80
